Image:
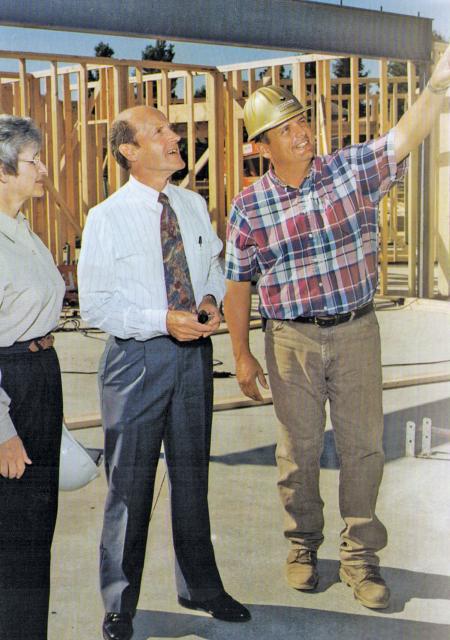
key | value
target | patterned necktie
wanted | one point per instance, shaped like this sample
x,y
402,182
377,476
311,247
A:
x,y
180,294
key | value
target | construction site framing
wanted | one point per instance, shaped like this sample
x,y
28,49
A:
x,y
75,99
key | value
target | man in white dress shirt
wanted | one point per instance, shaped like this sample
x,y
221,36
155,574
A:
x,y
155,376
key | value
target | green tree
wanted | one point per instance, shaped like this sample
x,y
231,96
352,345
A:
x,y
161,51
437,37
102,50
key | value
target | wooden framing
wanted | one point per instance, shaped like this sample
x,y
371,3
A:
x,y
75,99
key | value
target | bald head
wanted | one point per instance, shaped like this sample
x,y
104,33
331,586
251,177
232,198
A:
x,y
125,127
144,142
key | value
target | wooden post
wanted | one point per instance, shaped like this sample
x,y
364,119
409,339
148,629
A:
x,y
299,82
229,147
68,148
214,94
413,193
56,148
191,138
238,128
23,83
164,93
83,136
251,81
442,201
320,110
340,117
120,92
384,126
275,72
354,99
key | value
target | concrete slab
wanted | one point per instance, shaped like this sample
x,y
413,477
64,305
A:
x,y
247,516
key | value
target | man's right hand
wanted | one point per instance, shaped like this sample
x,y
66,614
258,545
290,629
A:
x,y
184,326
13,458
248,370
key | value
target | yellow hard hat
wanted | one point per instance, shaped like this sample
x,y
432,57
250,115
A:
x,y
268,107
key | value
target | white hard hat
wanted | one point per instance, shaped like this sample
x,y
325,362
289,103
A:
x,y
76,467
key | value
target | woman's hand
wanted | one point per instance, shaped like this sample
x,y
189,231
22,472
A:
x,y
13,458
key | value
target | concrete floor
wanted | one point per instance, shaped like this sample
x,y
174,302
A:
x,y
247,517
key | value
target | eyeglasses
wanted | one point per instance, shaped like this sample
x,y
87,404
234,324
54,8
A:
x,y
36,161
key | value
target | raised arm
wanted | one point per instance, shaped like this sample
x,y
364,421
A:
x,y
414,126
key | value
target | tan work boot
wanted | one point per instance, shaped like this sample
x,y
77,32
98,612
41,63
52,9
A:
x,y
301,571
367,584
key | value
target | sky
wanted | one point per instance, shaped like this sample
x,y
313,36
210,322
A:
x,y
40,40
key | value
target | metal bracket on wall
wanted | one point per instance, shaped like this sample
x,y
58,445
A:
x,y
426,450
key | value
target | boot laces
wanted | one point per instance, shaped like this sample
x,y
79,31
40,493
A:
x,y
371,573
306,556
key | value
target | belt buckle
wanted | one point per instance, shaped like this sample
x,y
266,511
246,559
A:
x,y
322,321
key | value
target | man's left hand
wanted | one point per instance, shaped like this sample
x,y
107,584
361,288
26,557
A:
x,y
440,78
213,317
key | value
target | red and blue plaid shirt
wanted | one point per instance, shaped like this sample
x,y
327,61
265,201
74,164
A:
x,y
316,246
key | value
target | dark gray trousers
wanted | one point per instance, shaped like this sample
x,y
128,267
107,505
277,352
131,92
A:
x,y
153,392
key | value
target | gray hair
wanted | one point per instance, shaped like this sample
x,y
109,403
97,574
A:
x,y
15,134
122,132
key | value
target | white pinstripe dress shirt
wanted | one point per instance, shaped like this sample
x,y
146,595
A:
x,y
120,271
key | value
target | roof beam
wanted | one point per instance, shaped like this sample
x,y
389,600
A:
x,y
292,25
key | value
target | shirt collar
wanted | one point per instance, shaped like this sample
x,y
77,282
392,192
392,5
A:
x,y
10,226
145,190
279,183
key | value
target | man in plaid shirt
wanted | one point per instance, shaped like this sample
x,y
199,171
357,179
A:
x,y
309,226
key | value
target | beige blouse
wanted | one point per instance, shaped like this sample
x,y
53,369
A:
x,y
31,294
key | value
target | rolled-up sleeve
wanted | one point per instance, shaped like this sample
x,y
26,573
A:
x,y
240,260
374,166
7,429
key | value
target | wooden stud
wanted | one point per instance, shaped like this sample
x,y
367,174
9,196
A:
x,y
413,193
384,126
229,173
216,140
23,82
190,138
83,132
120,95
354,99
238,129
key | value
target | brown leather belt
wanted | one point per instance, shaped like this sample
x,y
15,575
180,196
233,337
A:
x,y
339,318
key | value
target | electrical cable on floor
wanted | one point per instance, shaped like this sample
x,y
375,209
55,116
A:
x,y
157,497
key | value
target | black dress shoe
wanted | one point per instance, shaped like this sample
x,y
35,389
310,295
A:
x,y
222,607
117,626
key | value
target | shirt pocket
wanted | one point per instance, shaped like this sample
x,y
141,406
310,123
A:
x,y
199,261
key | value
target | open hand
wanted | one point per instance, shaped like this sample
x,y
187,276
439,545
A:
x,y
248,370
440,78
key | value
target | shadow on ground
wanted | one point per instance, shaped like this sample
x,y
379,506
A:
x,y
393,439
294,623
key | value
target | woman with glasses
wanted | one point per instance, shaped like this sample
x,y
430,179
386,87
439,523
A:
x,y
31,294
